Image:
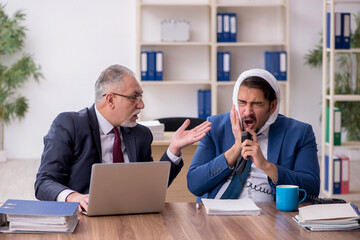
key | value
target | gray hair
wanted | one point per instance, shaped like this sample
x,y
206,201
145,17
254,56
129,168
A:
x,y
111,76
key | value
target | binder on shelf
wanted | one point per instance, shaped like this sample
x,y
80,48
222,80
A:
x,y
276,61
233,27
204,103
201,104
226,66
220,66
276,64
336,174
337,126
337,30
219,29
207,103
159,65
345,174
268,62
151,65
226,27
345,30
143,65
283,66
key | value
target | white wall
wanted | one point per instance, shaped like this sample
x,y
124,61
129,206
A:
x,y
306,83
74,41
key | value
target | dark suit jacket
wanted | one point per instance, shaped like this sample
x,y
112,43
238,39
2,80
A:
x,y
72,146
291,147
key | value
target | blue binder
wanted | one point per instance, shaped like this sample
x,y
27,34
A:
x,y
345,30
219,29
282,65
336,174
144,65
207,103
220,69
151,65
226,66
268,62
159,65
337,30
226,27
36,208
233,27
276,64
201,104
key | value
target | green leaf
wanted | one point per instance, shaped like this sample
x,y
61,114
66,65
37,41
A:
x,y
347,80
12,33
12,38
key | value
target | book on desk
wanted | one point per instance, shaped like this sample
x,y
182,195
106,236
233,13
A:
x,y
29,216
244,206
329,217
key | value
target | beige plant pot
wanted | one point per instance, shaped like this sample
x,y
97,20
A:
x,y
2,155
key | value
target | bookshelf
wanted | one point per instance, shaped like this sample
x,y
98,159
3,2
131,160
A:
x,y
329,98
190,66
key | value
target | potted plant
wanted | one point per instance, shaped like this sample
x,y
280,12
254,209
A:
x,y
12,38
347,80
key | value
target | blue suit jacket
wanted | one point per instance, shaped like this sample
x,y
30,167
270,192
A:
x,y
291,147
72,146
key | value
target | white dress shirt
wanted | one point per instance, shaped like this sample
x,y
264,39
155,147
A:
x,y
256,176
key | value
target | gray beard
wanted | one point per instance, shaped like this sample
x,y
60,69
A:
x,y
129,124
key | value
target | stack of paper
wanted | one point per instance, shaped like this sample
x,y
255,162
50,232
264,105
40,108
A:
x,y
231,206
38,216
156,128
329,217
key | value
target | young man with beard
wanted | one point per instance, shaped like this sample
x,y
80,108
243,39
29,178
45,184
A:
x,y
282,150
77,140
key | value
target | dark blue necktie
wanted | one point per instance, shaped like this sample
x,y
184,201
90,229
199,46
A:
x,y
237,182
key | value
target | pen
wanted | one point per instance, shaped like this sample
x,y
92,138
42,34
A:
x,y
197,206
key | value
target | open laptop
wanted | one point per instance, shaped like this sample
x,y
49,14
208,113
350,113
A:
x,y
128,188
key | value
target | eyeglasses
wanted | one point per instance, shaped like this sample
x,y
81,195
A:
x,y
134,98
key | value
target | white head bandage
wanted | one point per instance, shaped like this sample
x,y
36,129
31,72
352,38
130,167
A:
x,y
267,77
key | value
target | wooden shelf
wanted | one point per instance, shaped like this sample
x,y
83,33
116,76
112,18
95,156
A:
x,y
347,145
197,58
176,82
175,44
249,44
344,97
328,78
343,2
351,50
175,4
250,5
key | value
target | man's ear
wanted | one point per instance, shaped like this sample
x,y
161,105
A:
x,y
273,106
110,100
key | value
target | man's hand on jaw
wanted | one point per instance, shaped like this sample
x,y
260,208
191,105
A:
x,y
233,153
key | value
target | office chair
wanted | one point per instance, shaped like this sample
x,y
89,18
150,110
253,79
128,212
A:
x,y
173,123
